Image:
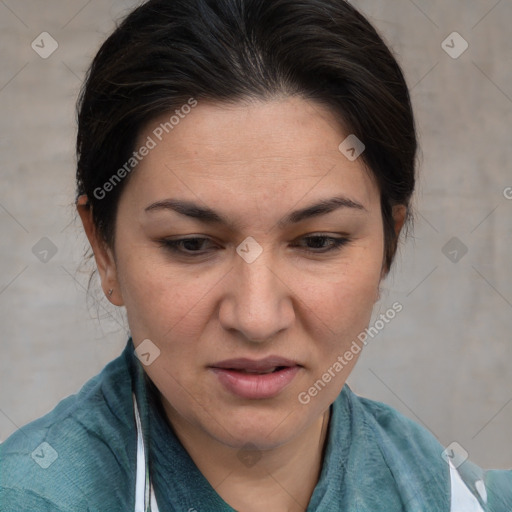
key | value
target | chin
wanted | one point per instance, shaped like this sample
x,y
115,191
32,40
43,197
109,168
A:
x,y
265,429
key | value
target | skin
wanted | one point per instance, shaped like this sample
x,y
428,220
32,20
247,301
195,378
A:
x,y
253,163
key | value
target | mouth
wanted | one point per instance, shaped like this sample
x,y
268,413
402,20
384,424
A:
x,y
269,364
258,372
256,379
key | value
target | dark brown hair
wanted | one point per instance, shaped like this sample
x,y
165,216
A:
x,y
166,52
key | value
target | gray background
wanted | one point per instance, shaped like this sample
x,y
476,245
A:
x,y
443,361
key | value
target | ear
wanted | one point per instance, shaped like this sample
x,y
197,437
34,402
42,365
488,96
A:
x,y
399,213
102,253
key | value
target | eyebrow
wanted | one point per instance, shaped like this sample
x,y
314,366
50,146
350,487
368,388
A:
x,y
209,216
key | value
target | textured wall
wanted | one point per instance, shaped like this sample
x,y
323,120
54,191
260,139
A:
x,y
443,360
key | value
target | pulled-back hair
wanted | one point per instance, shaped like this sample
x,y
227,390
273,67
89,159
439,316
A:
x,y
166,52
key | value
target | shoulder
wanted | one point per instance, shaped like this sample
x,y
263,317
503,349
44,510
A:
x,y
409,446
63,460
16,500
399,433
498,485
411,453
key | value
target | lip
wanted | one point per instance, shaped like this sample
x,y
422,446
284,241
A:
x,y
255,386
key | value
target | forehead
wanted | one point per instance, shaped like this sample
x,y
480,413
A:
x,y
286,146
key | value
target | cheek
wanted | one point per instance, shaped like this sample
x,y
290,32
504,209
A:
x,y
159,299
344,291
339,311
344,311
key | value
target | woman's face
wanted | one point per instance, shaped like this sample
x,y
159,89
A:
x,y
255,285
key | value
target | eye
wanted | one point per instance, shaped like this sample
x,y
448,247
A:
x,y
318,243
185,246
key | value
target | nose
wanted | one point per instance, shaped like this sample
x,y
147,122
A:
x,y
258,304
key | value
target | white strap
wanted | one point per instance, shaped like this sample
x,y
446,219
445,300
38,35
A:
x,y
462,499
154,506
140,475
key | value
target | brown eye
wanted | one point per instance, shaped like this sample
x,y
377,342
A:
x,y
317,243
186,246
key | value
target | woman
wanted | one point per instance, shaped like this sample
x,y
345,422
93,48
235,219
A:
x,y
245,169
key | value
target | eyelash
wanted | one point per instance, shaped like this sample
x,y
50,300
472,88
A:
x,y
174,245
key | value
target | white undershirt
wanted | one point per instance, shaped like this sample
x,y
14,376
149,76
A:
x,y
462,499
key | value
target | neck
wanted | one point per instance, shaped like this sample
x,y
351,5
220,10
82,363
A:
x,y
282,478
